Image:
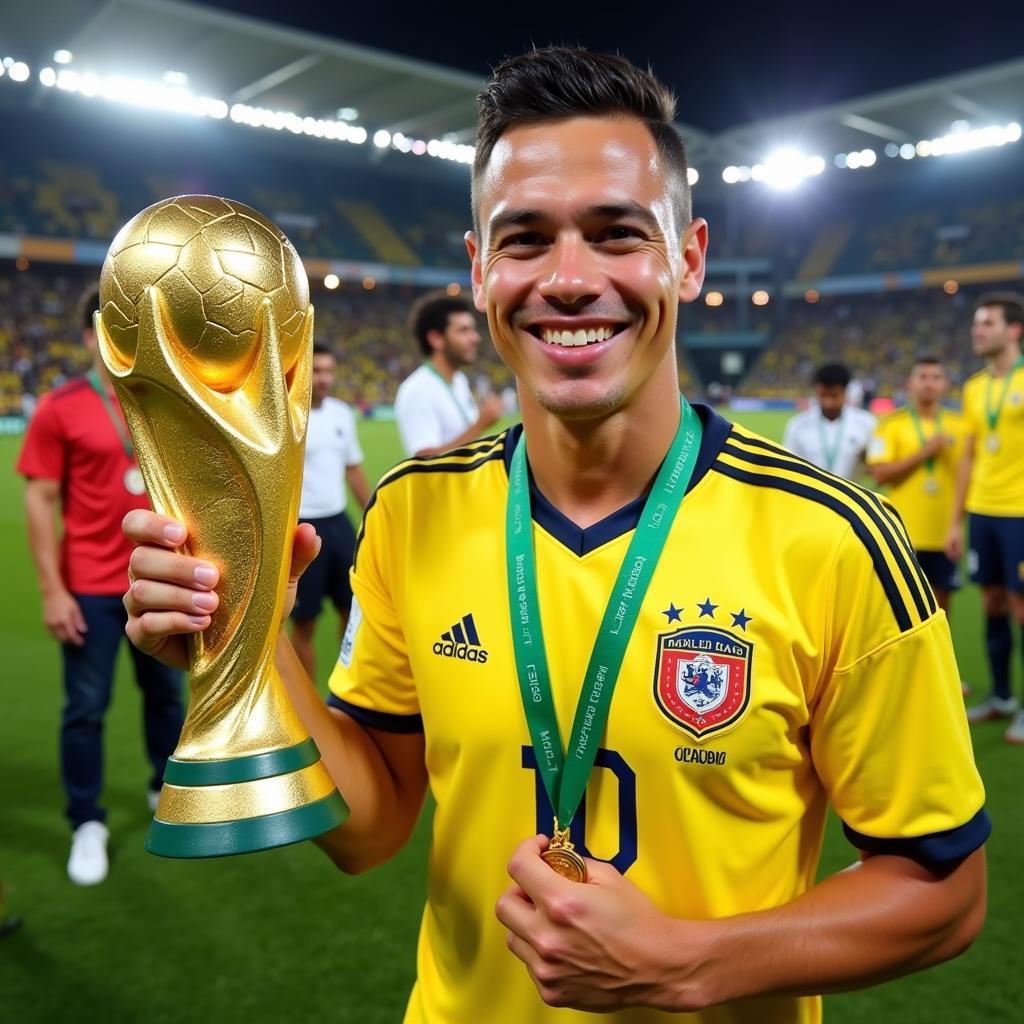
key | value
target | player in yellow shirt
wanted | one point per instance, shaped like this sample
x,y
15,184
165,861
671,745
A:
x,y
767,633
990,488
915,453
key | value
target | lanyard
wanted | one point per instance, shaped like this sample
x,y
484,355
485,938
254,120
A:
x,y
122,430
993,414
463,415
929,463
565,771
830,455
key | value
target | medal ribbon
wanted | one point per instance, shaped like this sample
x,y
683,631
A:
x,y
993,414
119,425
830,456
463,415
565,773
929,463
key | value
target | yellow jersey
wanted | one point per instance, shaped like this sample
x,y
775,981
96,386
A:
x,y
788,654
925,498
997,482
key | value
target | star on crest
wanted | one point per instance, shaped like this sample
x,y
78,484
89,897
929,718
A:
x,y
672,613
707,608
741,619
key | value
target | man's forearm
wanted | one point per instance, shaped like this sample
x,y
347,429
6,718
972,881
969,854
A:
x,y
964,470
898,471
40,521
882,918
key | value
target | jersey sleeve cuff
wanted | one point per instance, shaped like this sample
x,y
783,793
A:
x,y
937,848
383,720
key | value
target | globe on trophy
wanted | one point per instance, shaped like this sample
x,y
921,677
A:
x,y
206,329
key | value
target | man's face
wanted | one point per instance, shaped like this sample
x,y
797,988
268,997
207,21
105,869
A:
x,y
580,264
830,398
990,333
927,383
460,340
324,372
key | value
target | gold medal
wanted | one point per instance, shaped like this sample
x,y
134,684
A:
x,y
562,857
931,485
133,482
992,443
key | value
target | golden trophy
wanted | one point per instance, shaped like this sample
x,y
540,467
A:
x,y
206,328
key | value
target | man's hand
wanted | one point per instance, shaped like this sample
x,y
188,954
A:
x,y
491,410
172,595
63,618
598,946
954,547
935,444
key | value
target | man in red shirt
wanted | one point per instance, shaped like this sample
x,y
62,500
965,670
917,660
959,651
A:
x,y
77,459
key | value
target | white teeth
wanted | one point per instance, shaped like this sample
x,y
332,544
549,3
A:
x,y
572,339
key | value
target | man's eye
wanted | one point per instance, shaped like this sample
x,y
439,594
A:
x,y
524,238
618,232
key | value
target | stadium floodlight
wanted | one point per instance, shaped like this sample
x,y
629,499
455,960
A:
x,y
19,71
760,297
714,299
908,151
331,281
969,141
47,77
840,160
63,57
853,160
382,139
1013,132
348,114
892,150
786,168
868,157
692,176
731,175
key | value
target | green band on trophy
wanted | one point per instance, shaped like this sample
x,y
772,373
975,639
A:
x,y
224,838
241,769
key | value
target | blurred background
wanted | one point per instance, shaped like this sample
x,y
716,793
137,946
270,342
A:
x,y
862,172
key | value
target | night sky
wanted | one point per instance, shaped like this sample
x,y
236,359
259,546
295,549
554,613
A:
x,y
729,63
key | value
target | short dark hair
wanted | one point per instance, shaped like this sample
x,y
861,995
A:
x,y
831,374
1011,303
430,313
559,82
88,304
927,359
319,349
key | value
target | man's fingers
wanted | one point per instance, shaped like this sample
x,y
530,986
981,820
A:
x,y
145,595
151,563
305,547
145,527
78,620
515,911
533,876
150,631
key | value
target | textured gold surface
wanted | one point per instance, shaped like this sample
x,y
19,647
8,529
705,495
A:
x,y
200,805
206,329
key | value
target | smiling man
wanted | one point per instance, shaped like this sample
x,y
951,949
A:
x,y
765,631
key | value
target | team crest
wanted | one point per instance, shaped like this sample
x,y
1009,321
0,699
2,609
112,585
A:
x,y
702,679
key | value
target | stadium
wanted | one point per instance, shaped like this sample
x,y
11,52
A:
x,y
861,231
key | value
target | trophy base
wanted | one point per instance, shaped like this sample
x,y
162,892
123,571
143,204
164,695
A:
x,y
243,804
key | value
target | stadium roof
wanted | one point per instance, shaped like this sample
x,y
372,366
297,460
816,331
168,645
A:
x,y
240,59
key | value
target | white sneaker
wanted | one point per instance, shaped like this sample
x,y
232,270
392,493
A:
x,y
1015,734
153,798
87,864
992,707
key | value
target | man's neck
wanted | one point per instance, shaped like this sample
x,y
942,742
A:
x,y
1002,362
439,361
832,416
926,410
101,372
590,469
315,402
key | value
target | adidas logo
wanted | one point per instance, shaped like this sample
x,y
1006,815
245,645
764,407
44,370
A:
x,y
461,642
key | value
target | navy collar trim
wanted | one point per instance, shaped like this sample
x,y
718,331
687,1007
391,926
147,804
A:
x,y
582,541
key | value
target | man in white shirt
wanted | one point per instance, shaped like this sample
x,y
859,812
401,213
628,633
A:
x,y
831,433
434,406
333,458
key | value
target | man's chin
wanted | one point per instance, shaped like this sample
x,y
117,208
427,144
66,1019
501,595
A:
x,y
578,401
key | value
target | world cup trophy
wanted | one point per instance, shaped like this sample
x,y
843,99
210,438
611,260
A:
x,y
206,328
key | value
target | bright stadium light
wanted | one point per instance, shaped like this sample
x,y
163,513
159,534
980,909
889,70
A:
x,y
48,77
63,57
692,176
382,139
714,298
731,175
331,281
907,151
840,160
19,71
348,114
786,168
178,78
853,161
892,150
868,157
967,141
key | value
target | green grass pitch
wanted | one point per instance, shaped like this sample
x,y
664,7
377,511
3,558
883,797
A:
x,y
282,936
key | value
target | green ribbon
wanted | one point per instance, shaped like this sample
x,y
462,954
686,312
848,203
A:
x,y
119,426
463,415
565,772
929,463
993,414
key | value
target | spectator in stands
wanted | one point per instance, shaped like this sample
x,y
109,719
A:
x,y
434,406
333,459
77,459
831,433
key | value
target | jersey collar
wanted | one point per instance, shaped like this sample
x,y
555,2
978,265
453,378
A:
x,y
581,541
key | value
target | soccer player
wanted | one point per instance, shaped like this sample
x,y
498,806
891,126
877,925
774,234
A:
x,y
78,461
915,453
832,433
333,458
990,487
434,406
764,626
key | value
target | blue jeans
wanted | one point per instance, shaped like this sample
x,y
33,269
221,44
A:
x,y
88,682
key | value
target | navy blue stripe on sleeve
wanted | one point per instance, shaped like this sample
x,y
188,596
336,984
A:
x,y
378,719
937,848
